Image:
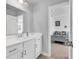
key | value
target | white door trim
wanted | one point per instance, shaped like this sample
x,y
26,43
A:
x,y
49,38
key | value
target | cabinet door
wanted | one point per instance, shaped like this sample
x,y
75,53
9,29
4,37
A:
x,y
29,49
14,56
38,47
18,55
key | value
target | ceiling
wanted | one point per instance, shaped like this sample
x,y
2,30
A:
x,y
49,1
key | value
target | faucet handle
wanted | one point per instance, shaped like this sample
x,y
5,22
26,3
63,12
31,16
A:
x,y
27,33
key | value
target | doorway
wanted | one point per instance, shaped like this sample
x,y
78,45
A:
x,y
60,30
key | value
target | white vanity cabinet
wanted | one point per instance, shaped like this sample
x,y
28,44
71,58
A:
x,y
14,52
29,49
25,50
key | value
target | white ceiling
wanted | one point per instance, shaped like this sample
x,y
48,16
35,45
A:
x,y
50,1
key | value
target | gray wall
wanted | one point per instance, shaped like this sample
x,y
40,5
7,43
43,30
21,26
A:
x,y
28,22
60,13
40,19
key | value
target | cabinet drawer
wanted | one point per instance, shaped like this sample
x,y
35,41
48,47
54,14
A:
x,y
29,43
13,49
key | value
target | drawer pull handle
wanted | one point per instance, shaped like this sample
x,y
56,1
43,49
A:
x,y
25,52
12,50
22,54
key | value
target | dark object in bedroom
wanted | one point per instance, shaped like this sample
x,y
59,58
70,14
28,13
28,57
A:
x,y
57,23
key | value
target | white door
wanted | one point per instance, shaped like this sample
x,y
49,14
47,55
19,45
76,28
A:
x,y
29,49
60,12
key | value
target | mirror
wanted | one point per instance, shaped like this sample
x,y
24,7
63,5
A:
x,y
13,25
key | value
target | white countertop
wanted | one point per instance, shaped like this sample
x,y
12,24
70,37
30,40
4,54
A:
x,y
13,39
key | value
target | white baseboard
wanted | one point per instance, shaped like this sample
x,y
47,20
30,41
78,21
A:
x,y
45,54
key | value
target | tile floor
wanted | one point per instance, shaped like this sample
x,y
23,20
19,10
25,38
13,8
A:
x,y
58,52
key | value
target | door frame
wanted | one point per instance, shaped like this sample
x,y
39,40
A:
x,y
49,38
